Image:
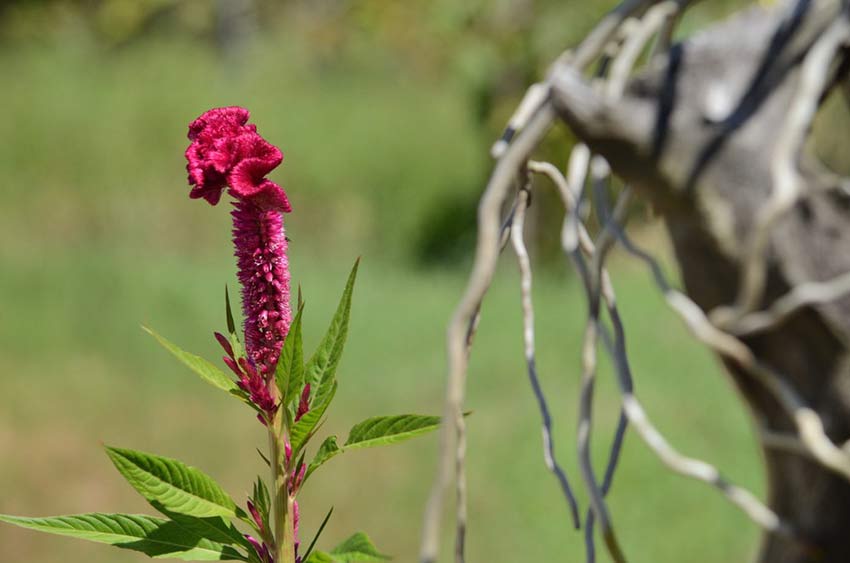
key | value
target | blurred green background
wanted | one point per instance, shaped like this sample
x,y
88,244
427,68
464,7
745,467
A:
x,y
385,112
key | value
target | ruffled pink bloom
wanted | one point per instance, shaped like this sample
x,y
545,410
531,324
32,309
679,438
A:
x,y
227,152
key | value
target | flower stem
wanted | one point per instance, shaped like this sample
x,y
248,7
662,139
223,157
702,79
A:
x,y
284,534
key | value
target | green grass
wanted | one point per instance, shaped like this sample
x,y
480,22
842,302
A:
x,y
97,237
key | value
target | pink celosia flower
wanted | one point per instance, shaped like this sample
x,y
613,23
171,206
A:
x,y
264,274
226,152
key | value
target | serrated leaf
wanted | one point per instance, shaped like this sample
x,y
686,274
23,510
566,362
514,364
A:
x,y
154,537
303,429
289,372
214,528
321,368
171,485
357,548
320,557
200,366
382,430
327,450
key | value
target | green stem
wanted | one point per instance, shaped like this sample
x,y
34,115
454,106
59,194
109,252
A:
x,y
289,533
284,534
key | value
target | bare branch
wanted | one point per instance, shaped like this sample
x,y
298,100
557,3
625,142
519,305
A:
x,y
683,465
808,423
800,296
597,500
636,39
460,528
603,244
528,337
790,443
594,43
486,256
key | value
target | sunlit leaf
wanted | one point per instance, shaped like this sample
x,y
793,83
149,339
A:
x,y
321,368
214,528
154,537
320,557
200,366
357,548
171,485
382,430
289,372
327,450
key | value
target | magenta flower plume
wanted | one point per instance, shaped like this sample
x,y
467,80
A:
x,y
264,274
228,153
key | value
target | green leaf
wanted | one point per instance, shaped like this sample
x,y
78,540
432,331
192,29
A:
x,y
320,557
172,486
231,325
321,368
154,537
202,367
214,528
289,372
357,548
381,430
327,450
261,496
263,457
303,429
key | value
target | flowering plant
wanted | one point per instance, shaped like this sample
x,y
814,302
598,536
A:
x,y
290,396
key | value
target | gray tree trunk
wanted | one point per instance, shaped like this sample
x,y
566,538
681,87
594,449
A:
x,y
696,134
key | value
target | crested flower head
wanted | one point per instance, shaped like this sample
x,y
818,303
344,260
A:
x,y
228,153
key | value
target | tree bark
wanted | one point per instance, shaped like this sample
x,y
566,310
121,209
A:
x,y
695,134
